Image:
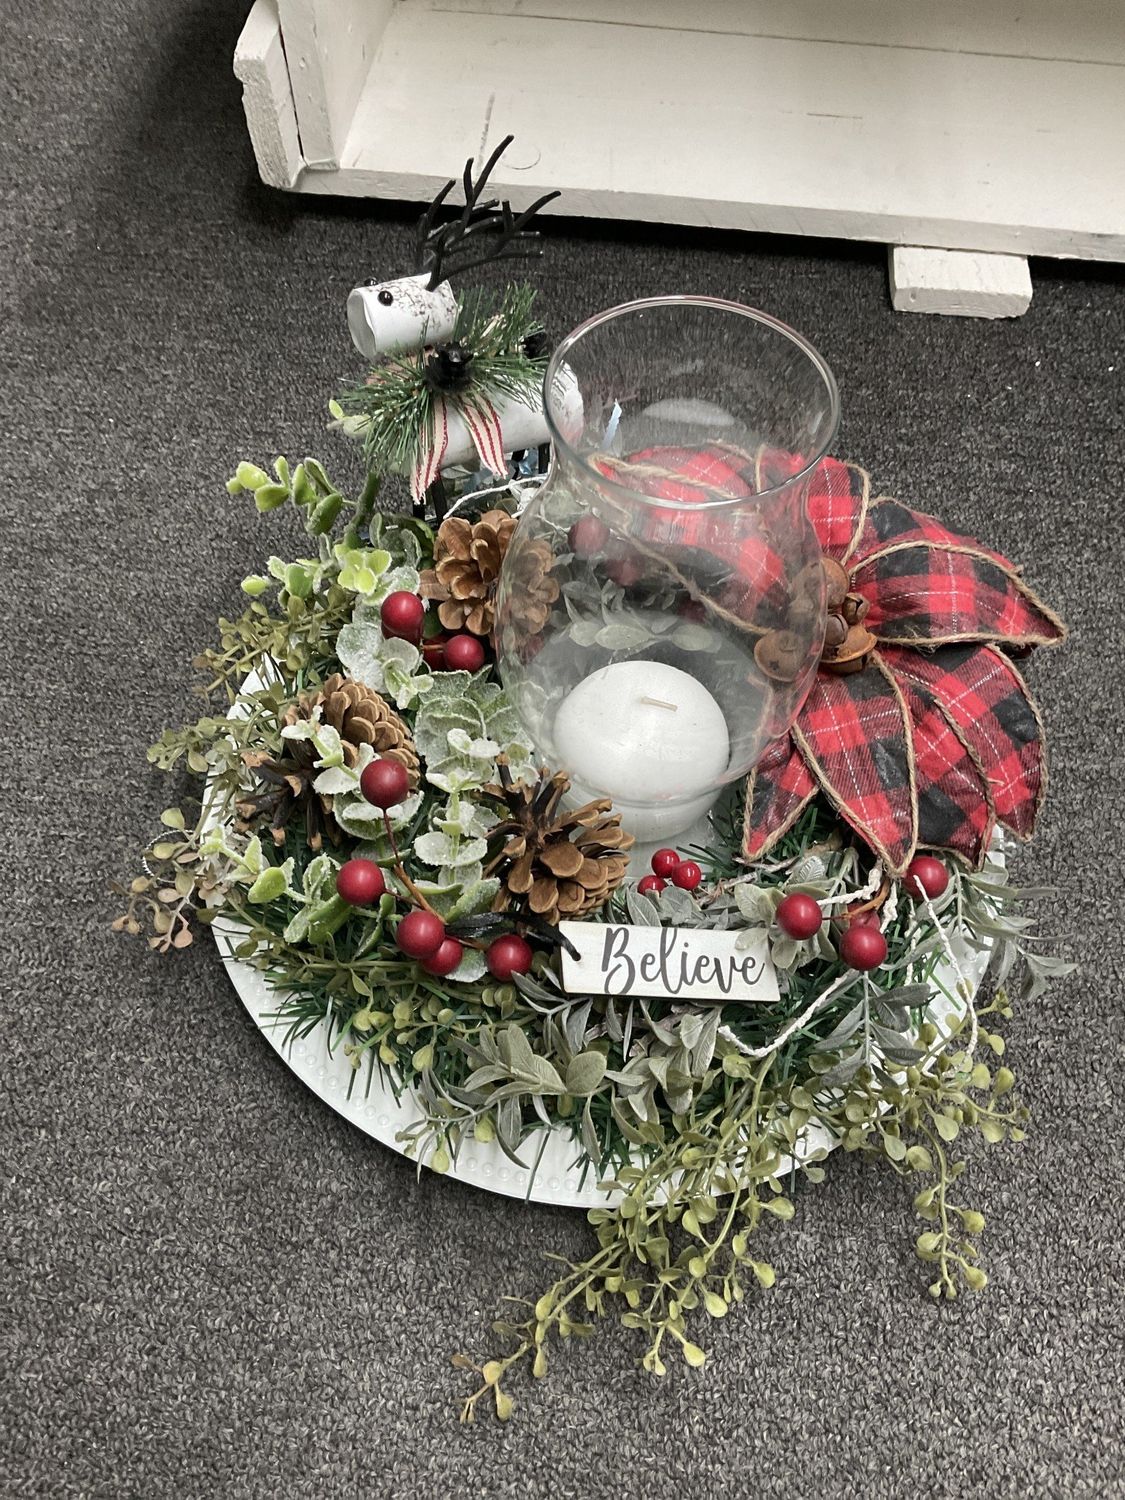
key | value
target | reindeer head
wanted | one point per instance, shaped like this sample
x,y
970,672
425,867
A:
x,y
387,316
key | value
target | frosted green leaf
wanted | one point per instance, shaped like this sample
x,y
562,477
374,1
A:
x,y
474,900
471,969
584,1073
298,929
269,885
755,905
298,580
358,646
252,860
270,496
433,848
691,636
335,780
622,637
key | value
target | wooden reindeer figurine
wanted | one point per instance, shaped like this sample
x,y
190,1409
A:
x,y
420,312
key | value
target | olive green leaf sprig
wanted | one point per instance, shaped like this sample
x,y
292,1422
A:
x,y
187,874
308,487
679,1240
299,607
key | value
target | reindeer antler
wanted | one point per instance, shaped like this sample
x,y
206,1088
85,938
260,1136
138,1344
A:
x,y
435,247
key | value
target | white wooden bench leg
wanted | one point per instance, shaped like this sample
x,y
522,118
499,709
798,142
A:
x,y
962,283
261,68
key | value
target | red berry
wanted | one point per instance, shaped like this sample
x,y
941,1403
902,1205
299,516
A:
x,y
420,934
360,882
385,782
433,653
588,536
664,861
691,609
799,916
863,948
925,876
687,875
464,653
508,955
402,614
651,883
625,572
445,960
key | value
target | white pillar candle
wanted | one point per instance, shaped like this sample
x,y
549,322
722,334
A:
x,y
648,736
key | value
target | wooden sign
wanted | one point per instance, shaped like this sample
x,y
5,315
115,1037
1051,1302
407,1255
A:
x,y
676,963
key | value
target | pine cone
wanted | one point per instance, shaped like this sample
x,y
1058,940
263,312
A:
x,y
285,782
467,558
363,717
534,589
555,863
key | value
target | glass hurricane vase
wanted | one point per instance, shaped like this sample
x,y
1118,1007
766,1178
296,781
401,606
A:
x,y
660,611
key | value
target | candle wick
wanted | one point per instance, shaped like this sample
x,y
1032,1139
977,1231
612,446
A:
x,y
660,703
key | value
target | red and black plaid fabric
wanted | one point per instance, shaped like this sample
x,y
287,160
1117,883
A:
x,y
937,739
781,786
854,733
986,702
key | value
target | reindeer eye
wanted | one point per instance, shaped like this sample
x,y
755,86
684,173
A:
x,y
386,298
371,281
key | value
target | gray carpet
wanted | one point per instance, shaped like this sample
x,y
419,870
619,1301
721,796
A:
x,y
212,1285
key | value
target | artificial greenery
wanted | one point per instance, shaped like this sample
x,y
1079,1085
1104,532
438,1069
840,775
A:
x,y
696,1120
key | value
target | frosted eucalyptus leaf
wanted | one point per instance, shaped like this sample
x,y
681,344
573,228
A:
x,y
642,911
471,969
585,633
622,637
691,636
584,1073
474,899
756,905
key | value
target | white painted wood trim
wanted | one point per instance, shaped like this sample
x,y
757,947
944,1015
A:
x,y
1058,30
995,129
260,66
961,283
330,45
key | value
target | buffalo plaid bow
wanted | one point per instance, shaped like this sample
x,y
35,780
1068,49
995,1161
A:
x,y
936,740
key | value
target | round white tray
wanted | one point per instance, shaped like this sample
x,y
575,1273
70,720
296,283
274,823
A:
x,y
553,1170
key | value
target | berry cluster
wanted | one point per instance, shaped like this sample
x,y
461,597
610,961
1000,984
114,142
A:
x,y
403,617
862,945
669,865
421,933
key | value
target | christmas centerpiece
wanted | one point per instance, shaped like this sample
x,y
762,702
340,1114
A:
x,y
631,835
